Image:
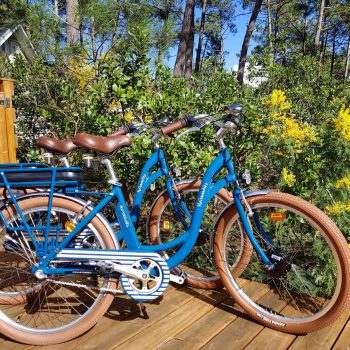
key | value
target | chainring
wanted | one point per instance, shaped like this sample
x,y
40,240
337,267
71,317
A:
x,y
154,286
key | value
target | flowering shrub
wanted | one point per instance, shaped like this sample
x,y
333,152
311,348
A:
x,y
292,134
342,123
288,178
338,208
294,138
278,99
343,182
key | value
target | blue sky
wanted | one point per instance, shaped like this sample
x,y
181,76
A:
x,y
232,44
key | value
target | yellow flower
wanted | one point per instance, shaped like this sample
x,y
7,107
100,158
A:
x,y
285,105
337,208
128,116
148,118
270,130
280,153
82,71
288,177
297,133
277,115
342,123
115,105
343,183
277,97
278,100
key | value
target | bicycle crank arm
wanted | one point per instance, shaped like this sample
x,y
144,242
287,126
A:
x,y
130,271
177,279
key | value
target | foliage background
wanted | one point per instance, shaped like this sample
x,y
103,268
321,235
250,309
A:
x,y
295,136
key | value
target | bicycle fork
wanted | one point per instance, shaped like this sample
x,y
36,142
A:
x,y
244,214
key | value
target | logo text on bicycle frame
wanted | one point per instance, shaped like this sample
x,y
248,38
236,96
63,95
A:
x,y
141,183
124,216
200,200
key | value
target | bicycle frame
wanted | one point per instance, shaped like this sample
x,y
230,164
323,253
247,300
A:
x,y
208,189
144,182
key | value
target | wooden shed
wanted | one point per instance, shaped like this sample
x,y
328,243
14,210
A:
x,y
8,142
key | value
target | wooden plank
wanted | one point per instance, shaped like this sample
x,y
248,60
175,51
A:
x,y
175,322
9,344
180,321
199,333
119,329
4,152
7,86
343,341
271,339
243,330
322,339
237,335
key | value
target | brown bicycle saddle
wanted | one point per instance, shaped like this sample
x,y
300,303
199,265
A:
x,y
52,144
102,144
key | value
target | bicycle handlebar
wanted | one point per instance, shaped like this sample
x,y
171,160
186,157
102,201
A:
x,y
185,122
120,131
171,128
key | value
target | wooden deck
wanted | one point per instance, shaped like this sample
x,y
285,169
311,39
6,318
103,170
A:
x,y
193,319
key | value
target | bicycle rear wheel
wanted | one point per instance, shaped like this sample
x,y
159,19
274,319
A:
x,y
59,307
164,225
309,287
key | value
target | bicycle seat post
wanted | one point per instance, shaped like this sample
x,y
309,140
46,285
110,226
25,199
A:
x,y
64,161
113,179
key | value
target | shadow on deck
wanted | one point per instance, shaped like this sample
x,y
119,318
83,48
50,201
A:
x,y
185,318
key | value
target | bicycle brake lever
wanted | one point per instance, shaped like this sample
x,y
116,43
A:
x,y
194,128
137,132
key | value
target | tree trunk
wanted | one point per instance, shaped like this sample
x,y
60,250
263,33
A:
x,y
166,14
73,24
275,34
189,50
93,40
184,38
324,50
200,38
305,34
333,49
347,62
56,7
319,24
246,41
269,20
222,53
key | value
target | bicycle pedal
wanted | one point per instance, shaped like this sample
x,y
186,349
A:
x,y
177,279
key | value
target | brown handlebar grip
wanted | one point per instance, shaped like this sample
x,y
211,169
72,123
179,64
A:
x,y
120,131
169,129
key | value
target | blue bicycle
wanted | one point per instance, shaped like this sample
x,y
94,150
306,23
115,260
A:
x,y
176,200
71,253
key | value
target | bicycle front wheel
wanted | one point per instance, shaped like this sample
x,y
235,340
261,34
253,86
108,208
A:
x,y
309,286
57,307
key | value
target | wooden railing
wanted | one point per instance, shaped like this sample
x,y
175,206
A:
x,y
8,142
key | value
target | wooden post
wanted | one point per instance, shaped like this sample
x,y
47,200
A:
x,y
4,152
7,119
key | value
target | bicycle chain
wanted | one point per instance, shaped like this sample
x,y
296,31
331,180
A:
x,y
71,284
